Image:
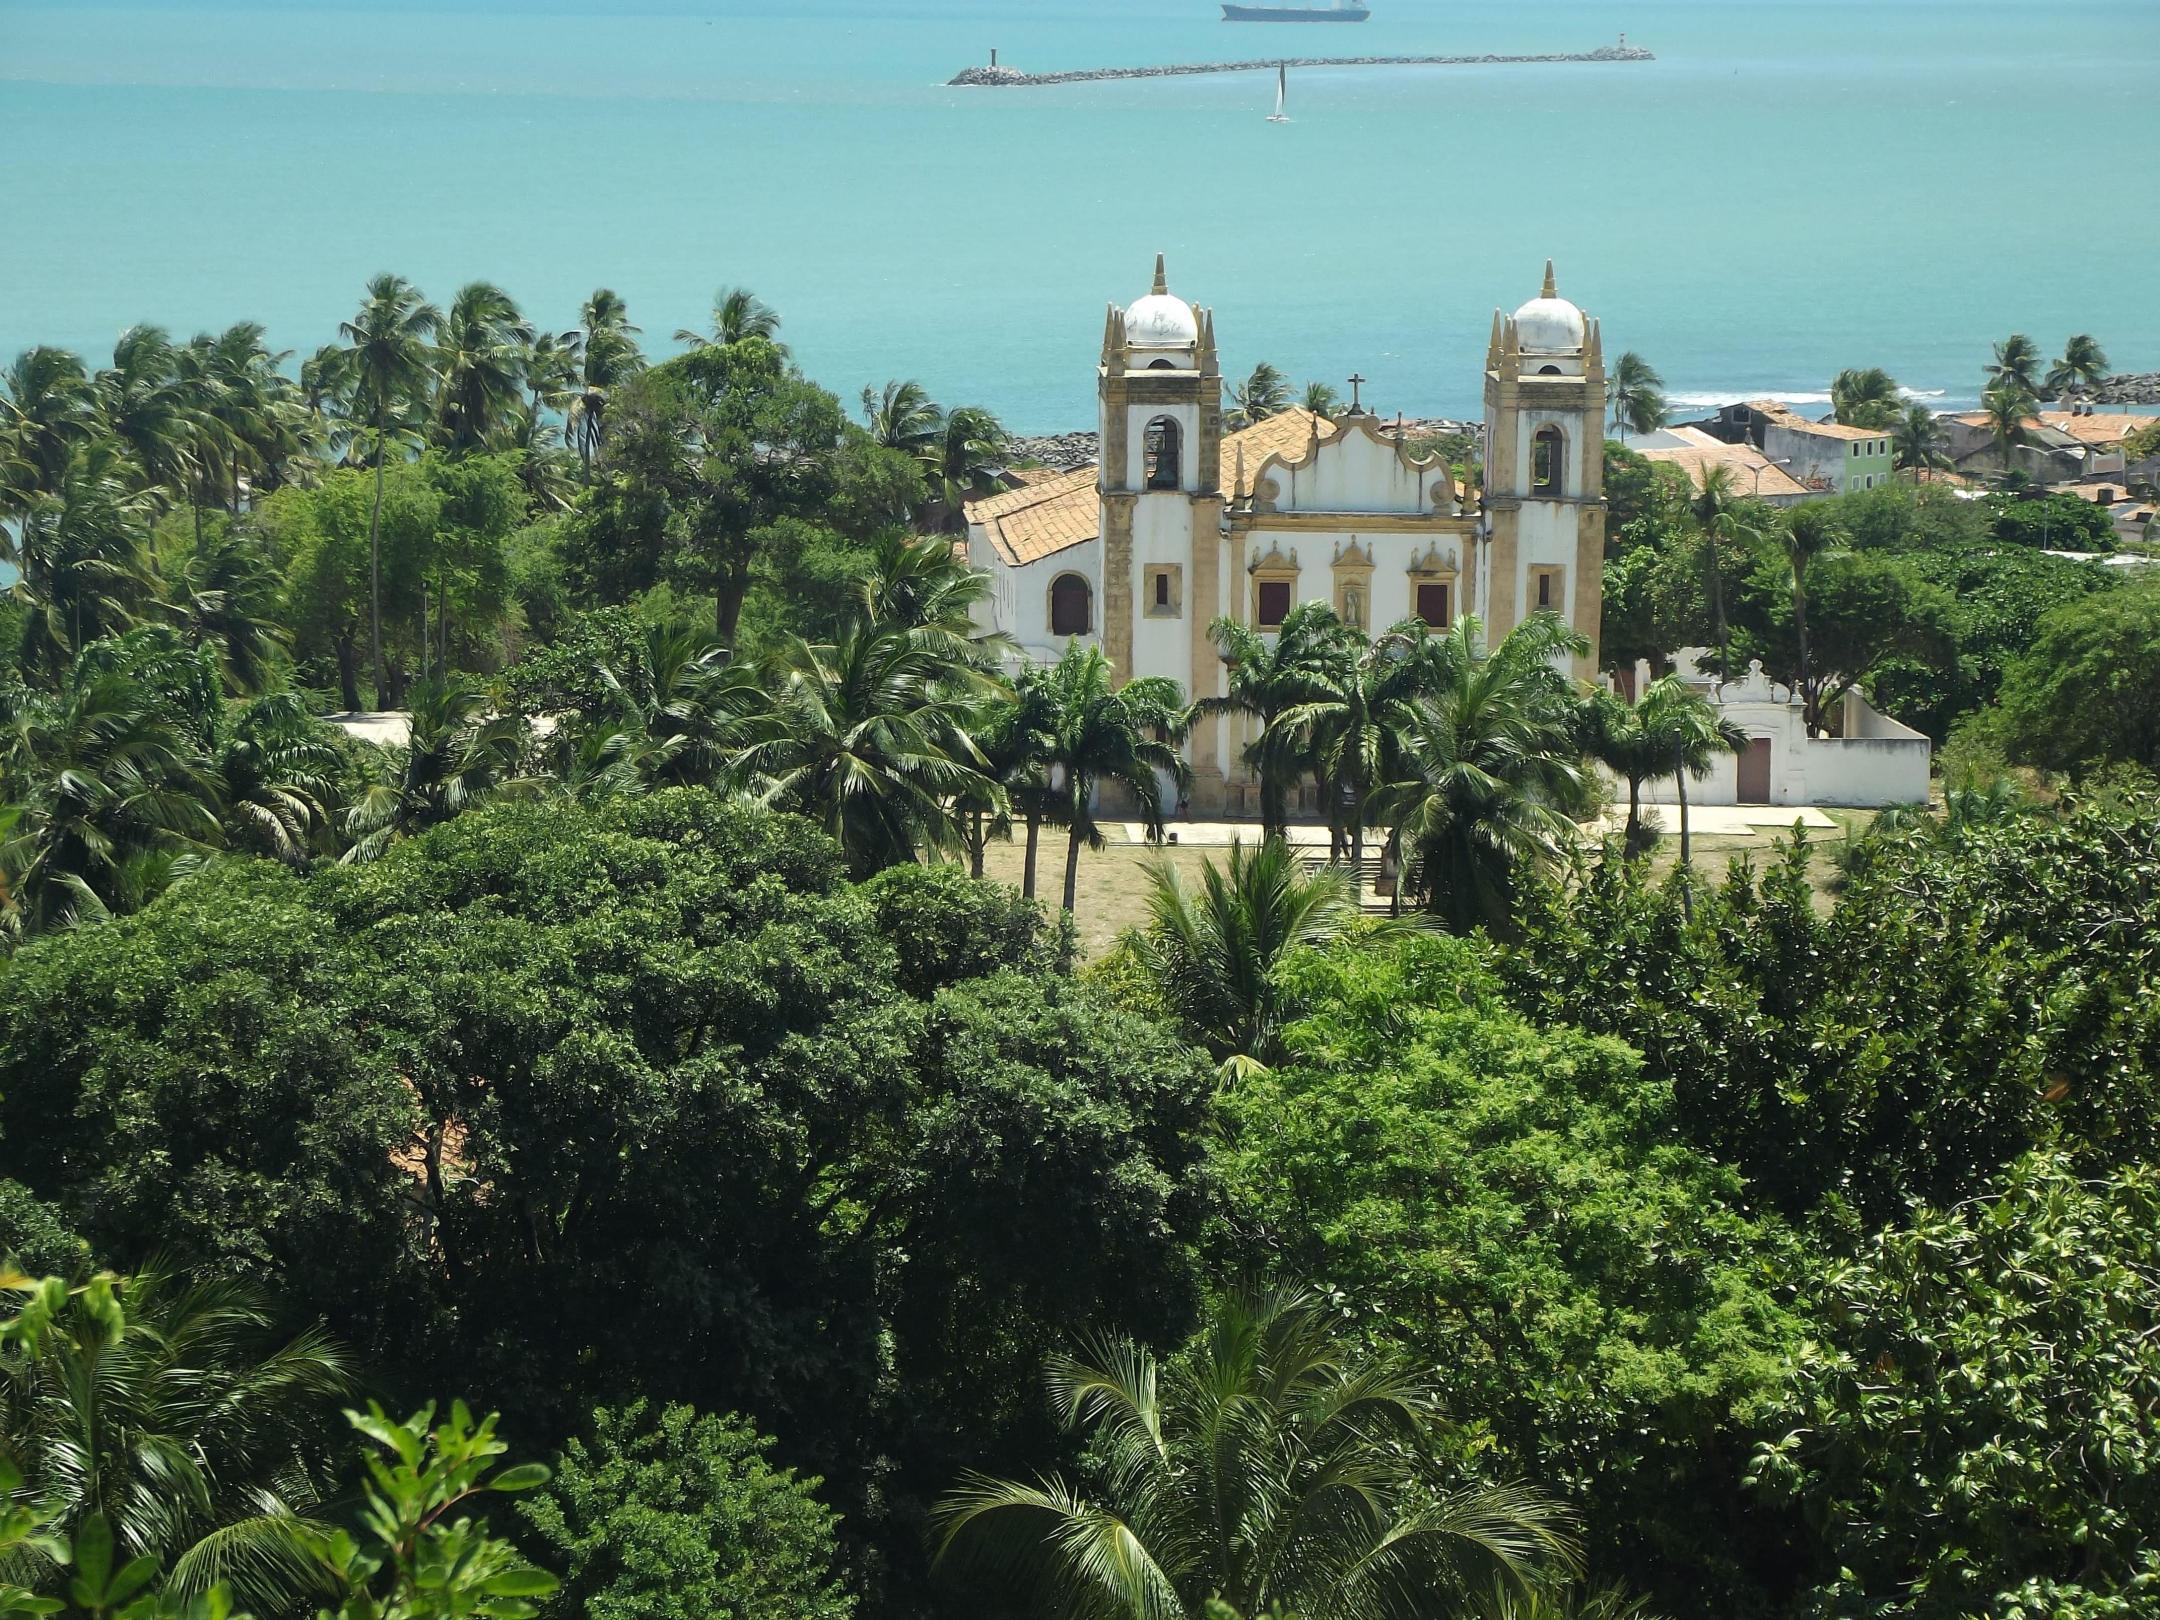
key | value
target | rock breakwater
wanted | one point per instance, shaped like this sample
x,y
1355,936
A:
x,y
999,76
2129,388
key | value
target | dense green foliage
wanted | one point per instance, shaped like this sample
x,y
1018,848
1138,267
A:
x,y
2086,695
1268,1469
1518,1209
1973,1431
657,1516
570,1106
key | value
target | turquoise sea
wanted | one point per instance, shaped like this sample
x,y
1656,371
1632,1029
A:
x,y
1794,185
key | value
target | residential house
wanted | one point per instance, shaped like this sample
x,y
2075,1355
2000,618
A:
x,y
2049,452
1825,456
1695,452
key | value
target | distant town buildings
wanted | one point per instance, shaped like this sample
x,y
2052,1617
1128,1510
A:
x,y
1827,457
1695,452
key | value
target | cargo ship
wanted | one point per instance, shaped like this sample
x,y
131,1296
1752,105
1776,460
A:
x,y
1341,11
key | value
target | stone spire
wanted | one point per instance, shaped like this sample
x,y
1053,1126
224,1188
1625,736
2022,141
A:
x,y
1492,349
1551,288
1162,281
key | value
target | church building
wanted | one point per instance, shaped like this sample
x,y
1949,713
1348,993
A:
x,y
1182,523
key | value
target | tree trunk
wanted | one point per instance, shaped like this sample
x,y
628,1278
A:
x,y
1687,874
1073,841
976,840
1633,836
348,673
1808,714
1034,839
374,546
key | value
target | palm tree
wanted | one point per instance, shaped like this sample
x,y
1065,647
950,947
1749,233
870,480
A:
x,y
81,559
677,717
1105,735
143,405
1866,397
608,357
97,778
1638,395
481,350
1486,769
1347,726
2017,363
1686,729
391,359
1264,680
550,365
326,400
1796,539
921,583
459,754
1018,749
275,769
1918,441
1614,735
227,595
177,1414
2008,408
48,408
1320,399
903,417
1268,1469
1213,954
1264,394
969,448
1724,521
738,313
2083,366
867,736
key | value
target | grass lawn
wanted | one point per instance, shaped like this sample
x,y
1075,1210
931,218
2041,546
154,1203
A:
x,y
1714,853
1112,889
1111,892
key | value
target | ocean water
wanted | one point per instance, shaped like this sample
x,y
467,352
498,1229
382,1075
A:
x,y
1791,187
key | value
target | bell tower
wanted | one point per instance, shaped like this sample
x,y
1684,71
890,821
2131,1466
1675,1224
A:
x,y
1159,388
1545,469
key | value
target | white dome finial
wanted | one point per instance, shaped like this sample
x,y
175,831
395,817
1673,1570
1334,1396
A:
x,y
1162,320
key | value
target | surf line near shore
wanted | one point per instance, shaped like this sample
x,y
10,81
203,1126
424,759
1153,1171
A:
x,y
995,76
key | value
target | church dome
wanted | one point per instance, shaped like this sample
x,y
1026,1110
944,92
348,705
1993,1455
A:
x,y
1161,321
1549,324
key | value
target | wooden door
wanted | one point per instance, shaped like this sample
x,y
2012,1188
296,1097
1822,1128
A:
x,y
1755,772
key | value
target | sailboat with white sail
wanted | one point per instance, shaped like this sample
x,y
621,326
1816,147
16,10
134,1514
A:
x,y
1282,93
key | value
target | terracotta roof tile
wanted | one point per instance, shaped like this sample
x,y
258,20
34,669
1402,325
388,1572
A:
x,y
2100,428
1039,520
1786,417
1287,432
1753,473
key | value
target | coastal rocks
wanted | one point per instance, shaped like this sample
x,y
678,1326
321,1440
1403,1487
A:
x,y
1062,452
996,76
2128,388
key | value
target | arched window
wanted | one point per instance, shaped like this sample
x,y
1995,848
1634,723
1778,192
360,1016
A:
x,y
1163,445
1548,451
1072,606
1162,365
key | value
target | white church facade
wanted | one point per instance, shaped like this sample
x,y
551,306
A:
x,y
1181,523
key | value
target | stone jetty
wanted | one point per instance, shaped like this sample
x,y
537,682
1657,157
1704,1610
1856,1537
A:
x,y
997,76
